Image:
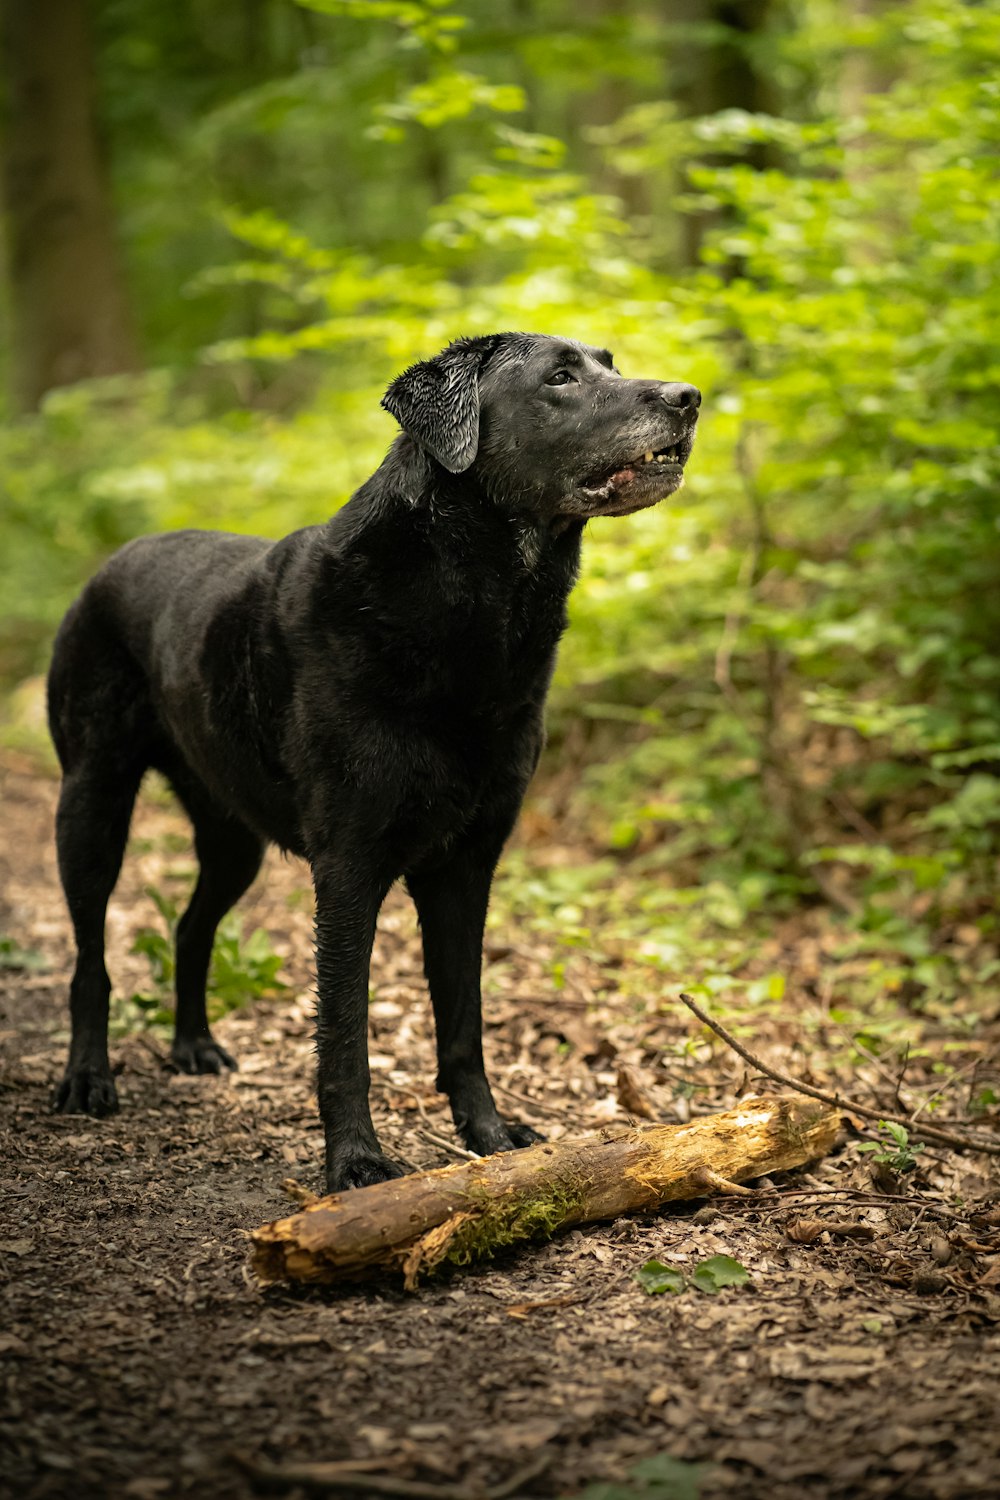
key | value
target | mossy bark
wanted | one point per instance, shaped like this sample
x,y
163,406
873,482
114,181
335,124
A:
x,y
466,1212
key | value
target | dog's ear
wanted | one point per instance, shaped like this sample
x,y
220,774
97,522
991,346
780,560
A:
x,y
437,404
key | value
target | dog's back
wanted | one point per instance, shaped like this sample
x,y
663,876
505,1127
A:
x,y
128,661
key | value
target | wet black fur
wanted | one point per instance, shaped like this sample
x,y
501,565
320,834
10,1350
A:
x,y
366,693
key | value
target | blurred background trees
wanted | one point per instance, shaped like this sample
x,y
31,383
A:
x,y
68,300
781,687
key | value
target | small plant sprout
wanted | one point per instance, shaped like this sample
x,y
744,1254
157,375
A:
x,y
895,1150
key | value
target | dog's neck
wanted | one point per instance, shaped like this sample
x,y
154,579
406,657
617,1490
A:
x,y
418,485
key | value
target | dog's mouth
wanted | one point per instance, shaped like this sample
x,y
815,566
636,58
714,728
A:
x,y
641,482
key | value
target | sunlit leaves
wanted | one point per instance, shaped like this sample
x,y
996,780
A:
x,y
427,23
450,96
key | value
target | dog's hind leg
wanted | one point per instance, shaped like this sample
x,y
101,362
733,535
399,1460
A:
x,y
100,717
95,807
229,857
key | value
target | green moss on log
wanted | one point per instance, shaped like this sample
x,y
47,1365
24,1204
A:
x,y
489,1226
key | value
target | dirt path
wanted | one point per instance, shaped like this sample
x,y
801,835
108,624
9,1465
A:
x,y
139,1359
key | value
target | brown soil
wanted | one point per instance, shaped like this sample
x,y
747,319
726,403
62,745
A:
x,y
138,1357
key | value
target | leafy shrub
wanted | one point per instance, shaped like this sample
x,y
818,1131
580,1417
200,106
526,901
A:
x,y
242,969
809,656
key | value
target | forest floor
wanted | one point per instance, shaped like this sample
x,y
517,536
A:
x,y
139,1358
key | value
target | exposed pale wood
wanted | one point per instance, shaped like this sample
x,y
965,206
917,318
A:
x,y
471,1209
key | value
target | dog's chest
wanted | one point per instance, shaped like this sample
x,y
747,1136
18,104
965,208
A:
x,y
495,633
498,643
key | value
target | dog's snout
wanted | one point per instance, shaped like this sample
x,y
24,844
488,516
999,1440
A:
x,y
676,393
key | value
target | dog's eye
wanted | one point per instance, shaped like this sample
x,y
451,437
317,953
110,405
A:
x,y
561,377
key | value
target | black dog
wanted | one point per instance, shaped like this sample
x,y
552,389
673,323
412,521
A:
x,y
367,693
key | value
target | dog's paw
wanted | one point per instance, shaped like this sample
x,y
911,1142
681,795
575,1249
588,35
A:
x,y
87,1090
360,1169
200,1055
499,1135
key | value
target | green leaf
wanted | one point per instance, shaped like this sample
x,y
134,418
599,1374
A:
x,y
661,1477
13,956
669,1478
655,1277
717,1272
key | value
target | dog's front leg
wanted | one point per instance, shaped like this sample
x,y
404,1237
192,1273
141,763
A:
x,y
451,902
347,904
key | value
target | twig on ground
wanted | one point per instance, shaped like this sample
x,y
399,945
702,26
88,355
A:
x,y
443,1144
441,1141
557,1112
549,1003
321,1478
904,1063
157,1053
945,1137
894,1080
986,1060
819,1196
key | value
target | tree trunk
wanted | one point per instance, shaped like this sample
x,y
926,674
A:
x,y
466,1212
68,306
600,101
714,70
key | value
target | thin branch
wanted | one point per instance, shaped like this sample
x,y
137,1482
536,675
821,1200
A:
x,y
322,1478
851,815
946,1137
821,1196
449,1147
555,1112
442,1143
894,1081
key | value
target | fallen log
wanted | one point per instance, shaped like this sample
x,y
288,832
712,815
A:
x,y
462,1213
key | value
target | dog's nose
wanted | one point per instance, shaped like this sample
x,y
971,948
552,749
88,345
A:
x,y
675,393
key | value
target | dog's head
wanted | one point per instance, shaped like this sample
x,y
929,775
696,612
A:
x,y
547,424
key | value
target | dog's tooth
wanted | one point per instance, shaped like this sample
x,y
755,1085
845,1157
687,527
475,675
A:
x,y
648,458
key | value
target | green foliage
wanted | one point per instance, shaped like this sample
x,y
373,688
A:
x,y
896,1151
242,969
717,1272
158,946
709,1276
983,1101
655,1277
828,617
781,685
20,959
658,1478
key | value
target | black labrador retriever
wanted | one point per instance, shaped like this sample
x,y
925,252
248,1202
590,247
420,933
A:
x,y
367,693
